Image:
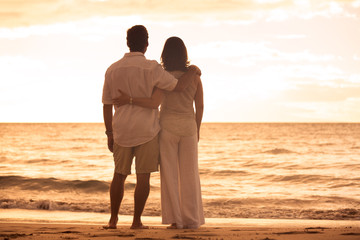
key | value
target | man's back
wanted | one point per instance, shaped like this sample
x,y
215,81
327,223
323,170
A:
x,y
137,77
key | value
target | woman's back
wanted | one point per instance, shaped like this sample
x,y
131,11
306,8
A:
x,y
177,111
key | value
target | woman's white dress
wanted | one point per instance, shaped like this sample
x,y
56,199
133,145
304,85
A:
x,y
181,200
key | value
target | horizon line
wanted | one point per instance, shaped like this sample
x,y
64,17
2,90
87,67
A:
x,y
310,122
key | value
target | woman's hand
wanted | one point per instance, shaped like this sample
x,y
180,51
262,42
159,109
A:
x,y
195,69
122,99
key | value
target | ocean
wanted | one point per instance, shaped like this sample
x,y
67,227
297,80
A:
x,y
247,170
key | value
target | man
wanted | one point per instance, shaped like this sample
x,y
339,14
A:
x,y
132,131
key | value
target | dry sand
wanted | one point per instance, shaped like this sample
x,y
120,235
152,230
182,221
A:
x,y
89,231
29,224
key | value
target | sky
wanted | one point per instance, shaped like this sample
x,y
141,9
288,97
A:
x,y
261,60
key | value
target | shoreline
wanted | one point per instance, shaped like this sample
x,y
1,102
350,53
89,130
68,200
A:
x,y
44,224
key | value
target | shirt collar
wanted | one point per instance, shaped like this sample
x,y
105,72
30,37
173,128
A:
x,y
133,54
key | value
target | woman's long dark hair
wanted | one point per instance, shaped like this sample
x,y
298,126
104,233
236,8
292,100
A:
x,y
174,55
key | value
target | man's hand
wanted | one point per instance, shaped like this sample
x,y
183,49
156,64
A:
x,y
110,142
123,99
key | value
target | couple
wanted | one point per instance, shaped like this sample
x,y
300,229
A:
x,y
137,86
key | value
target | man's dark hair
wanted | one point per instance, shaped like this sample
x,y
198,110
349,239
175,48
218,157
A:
x,y
137,38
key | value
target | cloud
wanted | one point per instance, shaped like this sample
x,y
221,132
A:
x,y
254,52
10,68
340,111
107,26
355,78
291,36
32,12
320,93
35,12
307,73
356,4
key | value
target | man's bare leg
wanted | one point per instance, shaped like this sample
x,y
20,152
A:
x,y
116,196
142,190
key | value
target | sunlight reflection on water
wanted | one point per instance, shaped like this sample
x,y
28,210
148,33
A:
x,y
267,164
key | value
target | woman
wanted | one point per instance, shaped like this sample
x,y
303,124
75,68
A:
x,y
181,200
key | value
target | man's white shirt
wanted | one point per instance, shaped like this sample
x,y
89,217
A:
x,y
136,76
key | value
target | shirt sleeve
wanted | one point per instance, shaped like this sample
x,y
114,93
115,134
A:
x,y
163,79
106,97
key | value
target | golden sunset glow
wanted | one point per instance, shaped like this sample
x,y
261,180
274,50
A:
x,y
261,60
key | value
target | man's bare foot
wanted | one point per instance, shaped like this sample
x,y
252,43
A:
x,y
138,226
172,226
112,224
109,227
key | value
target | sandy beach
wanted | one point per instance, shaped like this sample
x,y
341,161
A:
x,y
89,231
35,224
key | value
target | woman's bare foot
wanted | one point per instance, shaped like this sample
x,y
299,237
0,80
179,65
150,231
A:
x,y
172,226
191,226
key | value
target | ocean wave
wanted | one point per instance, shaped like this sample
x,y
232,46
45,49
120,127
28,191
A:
x,y
278,151
283,208
53,184
329,181
42,161
286,213
354,184
229,172
325,144
229,208
99,206
303,179
46,204
84,139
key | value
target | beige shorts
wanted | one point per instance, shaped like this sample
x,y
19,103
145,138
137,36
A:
x,y
146,157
